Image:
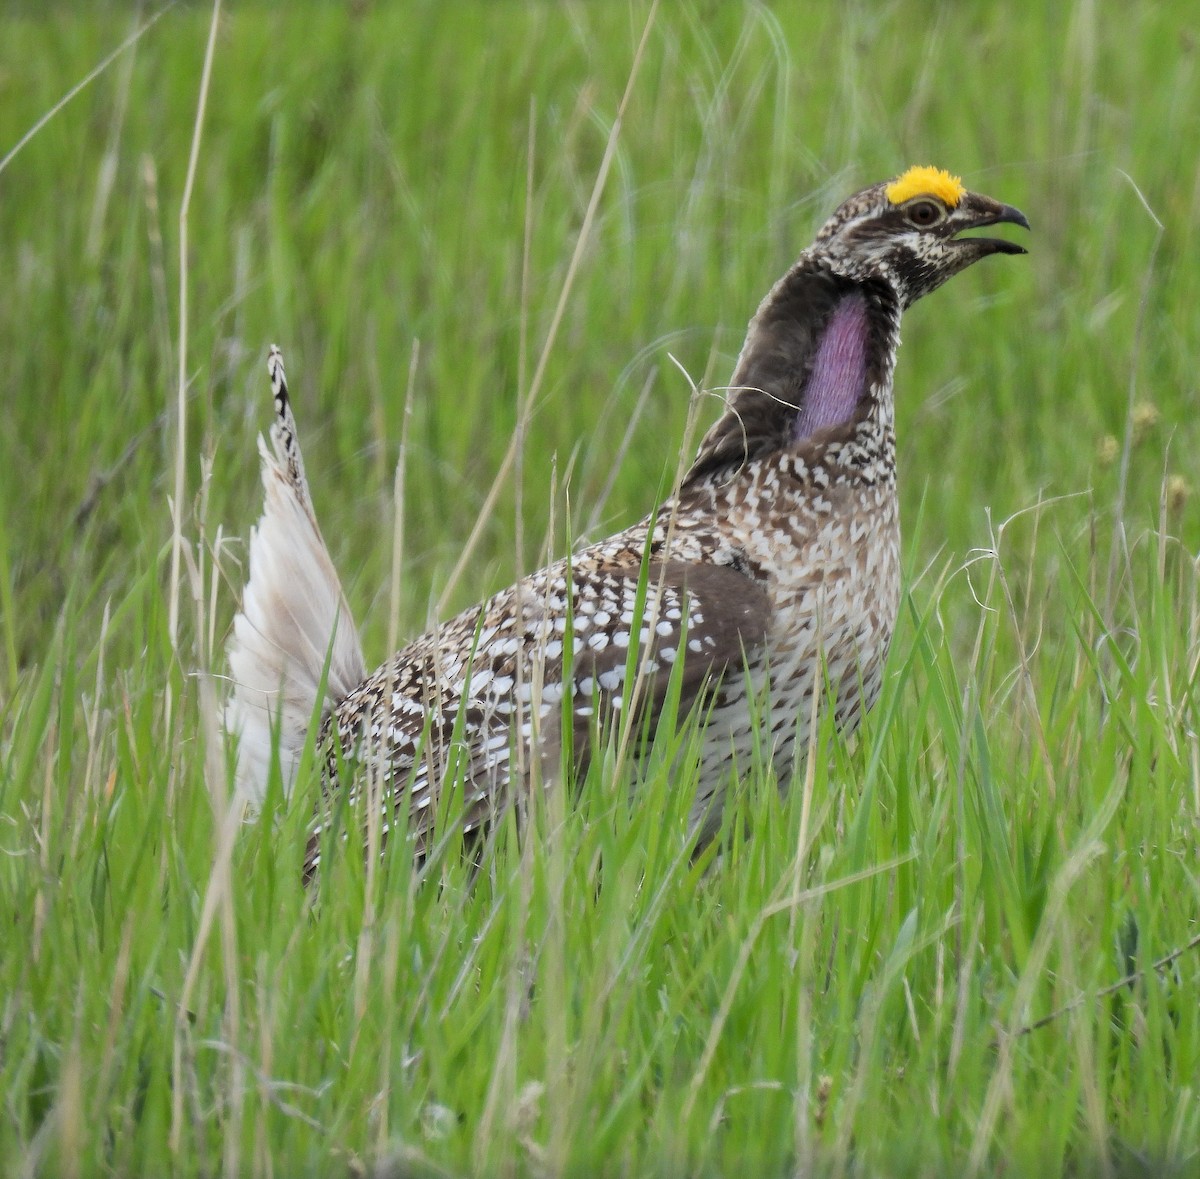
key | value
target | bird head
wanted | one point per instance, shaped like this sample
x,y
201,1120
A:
x,y
907,231
820,350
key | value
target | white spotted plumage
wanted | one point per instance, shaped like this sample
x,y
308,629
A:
x,y
773,571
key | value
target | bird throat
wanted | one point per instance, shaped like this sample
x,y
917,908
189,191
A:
x,y
838,377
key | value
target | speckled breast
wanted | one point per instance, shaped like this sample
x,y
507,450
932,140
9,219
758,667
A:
x,y
830,555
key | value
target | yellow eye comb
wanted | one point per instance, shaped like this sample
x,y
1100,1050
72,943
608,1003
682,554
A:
x,y
925,181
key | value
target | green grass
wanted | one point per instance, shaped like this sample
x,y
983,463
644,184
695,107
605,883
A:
x,y
1013,830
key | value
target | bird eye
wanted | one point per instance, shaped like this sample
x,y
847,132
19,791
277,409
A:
x,y
925,213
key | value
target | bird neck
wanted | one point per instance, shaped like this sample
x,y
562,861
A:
x,y
817,363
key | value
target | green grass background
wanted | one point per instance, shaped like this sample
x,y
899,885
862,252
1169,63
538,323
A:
x,y
1013,830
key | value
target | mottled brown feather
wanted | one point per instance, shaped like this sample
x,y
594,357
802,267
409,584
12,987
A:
x,y
772,573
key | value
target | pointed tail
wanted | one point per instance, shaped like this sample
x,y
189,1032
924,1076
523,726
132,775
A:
x,y
294,618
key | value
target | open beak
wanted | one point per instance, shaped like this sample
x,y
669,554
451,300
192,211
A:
x,y
983,212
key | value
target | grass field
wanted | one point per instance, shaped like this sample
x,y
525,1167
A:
x,y
394,194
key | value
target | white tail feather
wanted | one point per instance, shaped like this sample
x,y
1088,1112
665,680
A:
x,y
294,618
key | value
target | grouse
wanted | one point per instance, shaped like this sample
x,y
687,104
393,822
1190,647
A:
x,y
771,572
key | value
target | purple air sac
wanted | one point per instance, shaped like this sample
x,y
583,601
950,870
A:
x,y
839,372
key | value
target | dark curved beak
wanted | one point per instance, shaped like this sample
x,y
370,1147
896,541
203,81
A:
x,y
984,211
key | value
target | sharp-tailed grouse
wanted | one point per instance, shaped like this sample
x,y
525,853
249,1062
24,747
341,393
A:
x,y
773,571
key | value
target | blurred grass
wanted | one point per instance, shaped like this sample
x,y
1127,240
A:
x,y
1033,765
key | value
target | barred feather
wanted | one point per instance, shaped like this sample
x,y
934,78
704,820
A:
x,y
294,619
775,566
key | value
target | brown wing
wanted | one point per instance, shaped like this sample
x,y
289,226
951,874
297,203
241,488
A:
x,y
459,700
707,617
